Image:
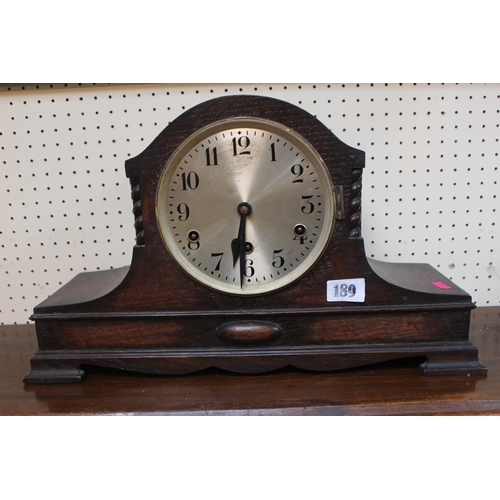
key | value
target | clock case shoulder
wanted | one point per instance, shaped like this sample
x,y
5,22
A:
x,y
153,304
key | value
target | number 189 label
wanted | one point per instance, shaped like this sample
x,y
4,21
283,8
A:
x,y
352,290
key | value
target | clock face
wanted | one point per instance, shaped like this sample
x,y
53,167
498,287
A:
x,y
245,206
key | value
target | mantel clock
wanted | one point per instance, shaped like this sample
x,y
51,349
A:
x,y
249,258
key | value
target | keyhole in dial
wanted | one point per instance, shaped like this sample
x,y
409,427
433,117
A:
x,y
193,236
300,230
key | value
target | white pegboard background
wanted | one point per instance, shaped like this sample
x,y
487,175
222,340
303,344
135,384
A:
x,y
430,185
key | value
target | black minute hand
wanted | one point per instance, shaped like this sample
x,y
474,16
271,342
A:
x,y
239,243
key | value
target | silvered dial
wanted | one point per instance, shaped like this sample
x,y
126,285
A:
x,y
245,206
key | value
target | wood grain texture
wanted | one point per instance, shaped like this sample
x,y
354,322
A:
x,y
391,388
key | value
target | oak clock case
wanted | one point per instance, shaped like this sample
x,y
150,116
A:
x,y
249,258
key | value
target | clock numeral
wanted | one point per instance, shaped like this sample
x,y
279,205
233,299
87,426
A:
x,y
249,270
190,180
183,211
243,142
297,170
307,207
194,240
273,152
278,260
211,156
214,256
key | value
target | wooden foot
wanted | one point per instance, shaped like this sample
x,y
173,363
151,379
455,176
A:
x,y
54,371
464,362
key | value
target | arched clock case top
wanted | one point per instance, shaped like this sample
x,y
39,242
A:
x,y
165,314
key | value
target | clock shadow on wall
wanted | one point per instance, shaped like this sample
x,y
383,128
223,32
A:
x,y
249,257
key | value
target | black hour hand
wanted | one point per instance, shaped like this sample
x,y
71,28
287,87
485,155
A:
x,y
239,243
236,243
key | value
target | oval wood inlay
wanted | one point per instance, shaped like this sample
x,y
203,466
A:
x,y
249,331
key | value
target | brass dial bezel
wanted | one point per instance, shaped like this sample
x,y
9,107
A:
x,y
200,135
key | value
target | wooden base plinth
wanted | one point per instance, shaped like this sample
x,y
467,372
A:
x,y
460,358
72,331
